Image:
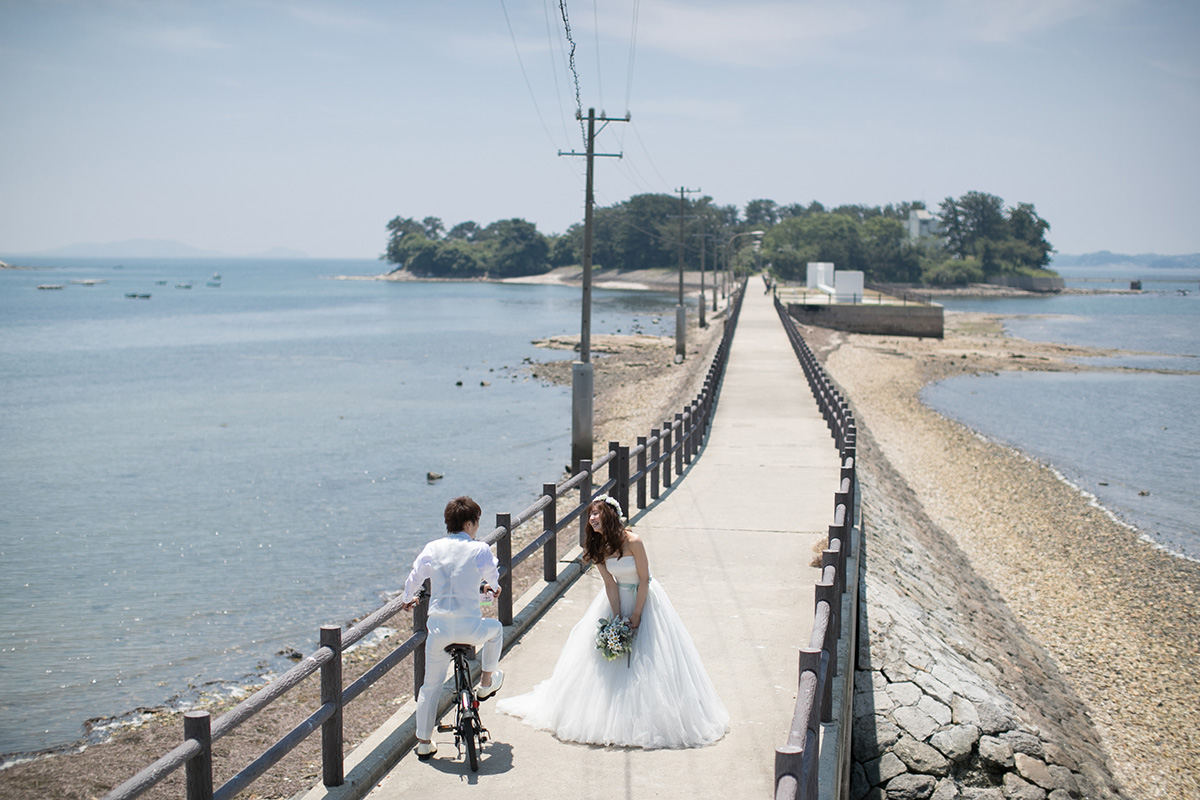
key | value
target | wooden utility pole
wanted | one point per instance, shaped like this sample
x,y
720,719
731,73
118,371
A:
x,y
681,309
581,370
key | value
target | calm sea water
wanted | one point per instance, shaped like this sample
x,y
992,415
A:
x,y
1128,439
196,481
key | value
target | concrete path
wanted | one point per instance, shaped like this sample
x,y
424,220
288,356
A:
x,y
731,543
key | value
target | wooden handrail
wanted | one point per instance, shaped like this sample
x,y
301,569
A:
x,y
797,761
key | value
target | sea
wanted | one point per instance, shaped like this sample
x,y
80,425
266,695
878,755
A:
x,y
196,477
1127,439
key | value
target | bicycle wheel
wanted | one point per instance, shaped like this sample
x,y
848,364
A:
x,y
470,732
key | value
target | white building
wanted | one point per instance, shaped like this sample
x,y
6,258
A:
x,y
922,223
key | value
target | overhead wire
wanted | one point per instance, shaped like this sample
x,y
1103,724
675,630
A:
x,y
562,6
525,75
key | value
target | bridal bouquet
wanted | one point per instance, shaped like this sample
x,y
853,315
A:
x,y
614,638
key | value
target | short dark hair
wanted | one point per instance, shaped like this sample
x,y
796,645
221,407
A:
x,y
459,512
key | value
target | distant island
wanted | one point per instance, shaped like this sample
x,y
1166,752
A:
x,y
156,248
1105,257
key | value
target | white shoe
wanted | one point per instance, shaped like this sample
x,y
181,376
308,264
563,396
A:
x,y
487,691
426,750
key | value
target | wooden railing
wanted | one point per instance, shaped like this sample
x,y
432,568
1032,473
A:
x,y
643,470
796,762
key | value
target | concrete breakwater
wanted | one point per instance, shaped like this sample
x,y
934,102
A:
x,y
953,699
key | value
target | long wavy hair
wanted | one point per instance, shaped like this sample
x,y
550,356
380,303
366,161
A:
x,y
609,540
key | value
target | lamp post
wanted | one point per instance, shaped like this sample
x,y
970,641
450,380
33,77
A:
x,y
729,246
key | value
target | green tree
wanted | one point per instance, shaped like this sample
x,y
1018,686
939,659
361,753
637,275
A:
x,y
761,213
514,247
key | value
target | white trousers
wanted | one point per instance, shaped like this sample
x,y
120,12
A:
x,y
486,634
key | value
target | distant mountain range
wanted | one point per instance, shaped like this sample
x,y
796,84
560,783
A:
x,y
1104,257
157,248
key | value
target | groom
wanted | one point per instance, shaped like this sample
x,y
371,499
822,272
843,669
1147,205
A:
x,y
459,569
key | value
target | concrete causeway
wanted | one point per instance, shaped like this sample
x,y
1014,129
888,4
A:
x,y
732,544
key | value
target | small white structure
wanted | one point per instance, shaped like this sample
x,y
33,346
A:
x,y
843,287
922,223
820,276
848,288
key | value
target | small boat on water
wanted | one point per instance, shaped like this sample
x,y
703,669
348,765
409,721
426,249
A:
x,y
89,281
214,283
137,295
161,283
50,286
183,286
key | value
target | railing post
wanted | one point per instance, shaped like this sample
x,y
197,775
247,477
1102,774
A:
x,y
666,461
550,524
614,473
585,497
419,625
623,478
504,556
655,455
331,692
198,771
641,470
680,443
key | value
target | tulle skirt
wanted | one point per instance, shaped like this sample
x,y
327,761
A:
x,y
657,697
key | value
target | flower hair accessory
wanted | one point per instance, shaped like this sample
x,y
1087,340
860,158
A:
x,y
616,506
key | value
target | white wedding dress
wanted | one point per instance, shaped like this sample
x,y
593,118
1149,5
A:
x,y
658,697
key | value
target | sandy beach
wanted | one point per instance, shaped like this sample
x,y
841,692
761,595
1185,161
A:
x,y
1119,619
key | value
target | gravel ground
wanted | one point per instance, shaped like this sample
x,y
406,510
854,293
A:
x,y
637,386
1119,618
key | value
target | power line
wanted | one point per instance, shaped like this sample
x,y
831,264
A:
x,y
562,6
525,75
632,48
596,34
553,42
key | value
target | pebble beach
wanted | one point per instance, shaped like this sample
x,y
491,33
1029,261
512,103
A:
x,y
1093,634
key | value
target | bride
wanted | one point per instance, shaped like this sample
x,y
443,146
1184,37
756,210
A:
x,y
660,696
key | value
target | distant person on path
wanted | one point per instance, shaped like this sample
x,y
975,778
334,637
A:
x,y
459,569
656,696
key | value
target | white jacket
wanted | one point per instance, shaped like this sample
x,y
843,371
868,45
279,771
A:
x,y
455,565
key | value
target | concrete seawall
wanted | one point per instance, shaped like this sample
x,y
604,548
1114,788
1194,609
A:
x,y
887,320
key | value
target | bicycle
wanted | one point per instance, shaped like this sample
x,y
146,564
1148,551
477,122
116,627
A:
x,y
468,730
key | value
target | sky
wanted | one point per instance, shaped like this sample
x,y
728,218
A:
x,y
250,125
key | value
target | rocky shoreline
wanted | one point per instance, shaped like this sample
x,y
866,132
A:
x,y
1022,642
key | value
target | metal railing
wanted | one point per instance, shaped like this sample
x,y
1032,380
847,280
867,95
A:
x,y
796,762
644,469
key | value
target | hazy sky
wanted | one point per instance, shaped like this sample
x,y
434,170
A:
x,y
241,126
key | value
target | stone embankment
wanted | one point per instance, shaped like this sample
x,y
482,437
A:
x,y
952,700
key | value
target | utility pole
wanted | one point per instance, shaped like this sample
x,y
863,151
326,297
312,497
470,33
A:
x,y
581,370
681,309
